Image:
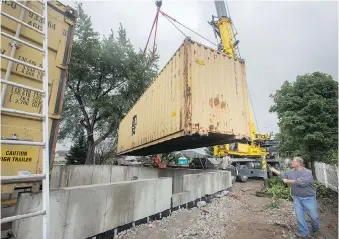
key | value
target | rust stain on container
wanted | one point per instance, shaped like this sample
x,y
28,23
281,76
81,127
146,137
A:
x,y
189,94
211,102
216,101
180,120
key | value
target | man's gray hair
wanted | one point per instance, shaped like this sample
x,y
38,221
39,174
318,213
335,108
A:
x,y
300,160
288,162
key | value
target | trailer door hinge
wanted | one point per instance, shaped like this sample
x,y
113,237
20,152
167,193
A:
x,y
54,116
63,67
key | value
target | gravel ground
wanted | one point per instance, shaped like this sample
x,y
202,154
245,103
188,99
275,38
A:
x,y
238,215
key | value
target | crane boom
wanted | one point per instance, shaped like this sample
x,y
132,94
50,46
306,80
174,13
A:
x,y
221,8
223,28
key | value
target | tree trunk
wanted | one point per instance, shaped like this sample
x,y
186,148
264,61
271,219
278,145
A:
x,y
90,149
313,158
313,169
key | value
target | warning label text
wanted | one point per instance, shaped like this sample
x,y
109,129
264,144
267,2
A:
x,y
16,156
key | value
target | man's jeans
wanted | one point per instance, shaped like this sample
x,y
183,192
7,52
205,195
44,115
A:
x,y
308,205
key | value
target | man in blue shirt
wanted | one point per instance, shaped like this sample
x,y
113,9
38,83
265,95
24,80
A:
x,y
304,195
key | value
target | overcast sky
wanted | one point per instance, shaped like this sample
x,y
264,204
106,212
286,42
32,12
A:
x,y
278,40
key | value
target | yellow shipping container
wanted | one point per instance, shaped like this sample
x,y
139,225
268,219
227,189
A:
x,y
16,159
199,99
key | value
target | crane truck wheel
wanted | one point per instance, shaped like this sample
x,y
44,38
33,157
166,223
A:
x,y
231,168
242,178
269,174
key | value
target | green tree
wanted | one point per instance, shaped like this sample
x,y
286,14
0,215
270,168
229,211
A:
x,y
307,111
106,77
78,152
169,157
209,151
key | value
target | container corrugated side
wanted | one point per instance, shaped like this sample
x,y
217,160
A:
x,y
16,158
198,93
219,93
159,111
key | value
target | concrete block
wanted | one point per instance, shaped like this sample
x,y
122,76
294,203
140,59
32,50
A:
x,y
59,176
147,173
132,172
163,194
182,198
85,211
80,175
195,183
64,176
177,176
101,174
119,206
144,199
32,227
118,173
55,177
201,184
211,182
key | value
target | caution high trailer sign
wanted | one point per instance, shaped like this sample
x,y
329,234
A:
x,y
15,156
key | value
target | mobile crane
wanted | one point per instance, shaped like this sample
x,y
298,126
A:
x,y
246,156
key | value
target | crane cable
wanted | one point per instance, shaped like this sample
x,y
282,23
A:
x,y
174,20
155,23
255,118
171,20
176,26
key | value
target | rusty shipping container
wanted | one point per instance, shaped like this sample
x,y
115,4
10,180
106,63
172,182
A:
x,y
18,159
199,99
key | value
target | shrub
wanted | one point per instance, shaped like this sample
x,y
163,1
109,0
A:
x,y
279,189
326,195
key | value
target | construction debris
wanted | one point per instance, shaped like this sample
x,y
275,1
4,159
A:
x,y
201,204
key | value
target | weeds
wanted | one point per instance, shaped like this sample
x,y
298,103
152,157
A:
x,y
279,189
326,195
273,205
282,191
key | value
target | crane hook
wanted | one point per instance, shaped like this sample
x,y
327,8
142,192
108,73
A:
x,y
158,3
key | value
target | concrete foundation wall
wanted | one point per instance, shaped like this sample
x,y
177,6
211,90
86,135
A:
x,y
78,175
102,205
199,185
85,211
